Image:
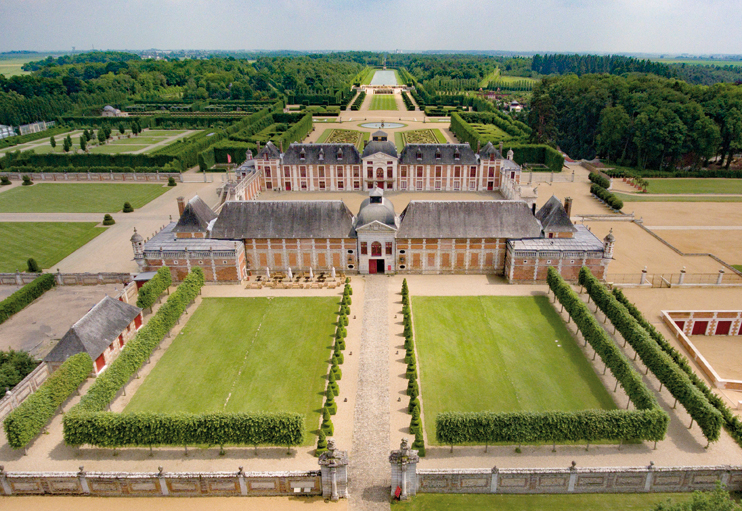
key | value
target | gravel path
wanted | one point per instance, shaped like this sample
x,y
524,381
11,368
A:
x,y
369,468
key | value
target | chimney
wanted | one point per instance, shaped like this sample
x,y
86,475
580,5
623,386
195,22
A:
x,y
478,146
568,206
258,149
533,209
181,205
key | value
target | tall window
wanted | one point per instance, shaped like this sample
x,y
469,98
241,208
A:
x,y
287,171
375,249
364,248
419,172
370,173
389,172
388,250
380,173
340,171
473,172
321,170
267,172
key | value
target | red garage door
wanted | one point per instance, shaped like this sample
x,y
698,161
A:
x,y
723,327
100,363
699,327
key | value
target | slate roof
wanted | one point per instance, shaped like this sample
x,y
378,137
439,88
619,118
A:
x,y
468,219
553,217
408,156
583,241
384,146
269,152
489,149
166,241
196,216
95,331
283,219
313,151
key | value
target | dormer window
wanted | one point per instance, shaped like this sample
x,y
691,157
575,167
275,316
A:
x,y
419,155
302,155
456,155
321,155
438,154
340,153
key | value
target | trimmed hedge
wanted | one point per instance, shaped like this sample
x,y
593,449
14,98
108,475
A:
x,y
83,170
358,101
25,295
606,196
407,101
30,137
151,291
27,421
731,422
647,422
660,363
599,180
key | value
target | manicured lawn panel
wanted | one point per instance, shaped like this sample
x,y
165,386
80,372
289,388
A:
x,y
695,186
583,502
78,197
383,102
639,197
505,347
737,267
47,242
246,355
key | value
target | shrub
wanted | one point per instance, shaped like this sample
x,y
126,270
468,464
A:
x,y
332,384
327,426
419,444
411,372
409,356
4,180
415,422
14,366
414,403
340,343
27,421
599,180
321,444
412,387
336,369
128,208
338,354
151,290
330,404
25,295
27,180
108,219
171,181
33,266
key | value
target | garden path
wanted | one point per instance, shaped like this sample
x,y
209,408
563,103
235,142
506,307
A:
x,y
369,468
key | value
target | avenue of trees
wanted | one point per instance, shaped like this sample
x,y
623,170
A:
x,y
638,119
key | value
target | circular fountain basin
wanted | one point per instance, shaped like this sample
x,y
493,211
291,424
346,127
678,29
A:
x,y
387,125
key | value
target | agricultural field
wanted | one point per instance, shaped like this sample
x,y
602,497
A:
x,y
517,348
583,502
338,136
246,355
383,102
431,136
78,197
47,242
700,62
683,185
11,66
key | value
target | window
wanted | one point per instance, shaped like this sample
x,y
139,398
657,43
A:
x,y
287,171
390,163
320,170
388,248
492,172
419,171
379,173
457,171
375,249
403,185
473,172
389,172
457,155
419,184
340,171
438,171
269,186
350,251
303,185
356,171
370,173
364,248
551,235
356,185
303,171
267,172
403,171
419,155
340,185
321,185
512,175
302,155
437,154
457,185
437,185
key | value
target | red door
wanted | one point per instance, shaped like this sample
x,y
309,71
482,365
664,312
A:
x,y
490,185
372,266
699,327
723,327
288,186
100,363
681,325
121,341
138,321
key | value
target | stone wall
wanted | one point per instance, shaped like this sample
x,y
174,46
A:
x,y
25,388
531,266
89,176
155,484
578,480
67,279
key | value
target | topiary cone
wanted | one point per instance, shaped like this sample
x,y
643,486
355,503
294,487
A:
x,y
336,369
419,444
412,386
327,426
330,403
332,384
414,403
321,444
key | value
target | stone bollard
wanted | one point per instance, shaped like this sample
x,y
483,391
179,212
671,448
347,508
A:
x,y
404,470
83,481
682,277
720,277
334,468
643,279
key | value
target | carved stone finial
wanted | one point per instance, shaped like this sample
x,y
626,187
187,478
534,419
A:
x,y
404,445
159,471
241,472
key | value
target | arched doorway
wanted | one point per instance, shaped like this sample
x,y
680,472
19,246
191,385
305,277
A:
x,y
376,265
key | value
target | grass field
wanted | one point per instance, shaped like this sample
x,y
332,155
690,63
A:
x,y
639,197
11,66
368,76
701,62
737,267
78,197
383,102
517,348
584,502
495,76
246,355
695,186
47,242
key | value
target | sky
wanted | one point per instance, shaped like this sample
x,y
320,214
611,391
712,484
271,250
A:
x,y
583,26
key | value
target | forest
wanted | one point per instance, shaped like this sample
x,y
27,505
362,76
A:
x,y
638,119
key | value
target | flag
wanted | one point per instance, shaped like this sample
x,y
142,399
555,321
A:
x,y
229,158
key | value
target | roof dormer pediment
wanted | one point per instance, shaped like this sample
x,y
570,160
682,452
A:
x,y
376,226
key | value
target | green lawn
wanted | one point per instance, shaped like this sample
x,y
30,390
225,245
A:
x,y
383,102
47,242
583,502
78,197
515,350
246,355
695,186
640,197
701,62
737,267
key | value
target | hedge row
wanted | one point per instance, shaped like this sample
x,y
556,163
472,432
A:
x,y
27,421
83,170
110,161
106,429
358,101
295,133
652,356
606,196
25,295
716,173
413,387
407,101
599,180
151,291
731,422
